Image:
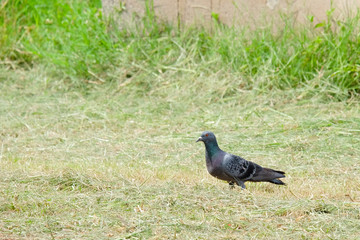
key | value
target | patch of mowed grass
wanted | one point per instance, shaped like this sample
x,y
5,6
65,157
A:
x,y
109,165
78,44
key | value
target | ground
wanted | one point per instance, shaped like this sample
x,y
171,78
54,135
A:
x,y
107,164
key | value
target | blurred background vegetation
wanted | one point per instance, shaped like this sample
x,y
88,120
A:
x,y
74,41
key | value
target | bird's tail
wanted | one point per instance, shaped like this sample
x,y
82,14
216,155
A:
x,y
275,173
269,175
277,181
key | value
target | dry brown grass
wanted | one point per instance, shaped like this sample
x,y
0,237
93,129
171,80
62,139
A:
x,y
111,164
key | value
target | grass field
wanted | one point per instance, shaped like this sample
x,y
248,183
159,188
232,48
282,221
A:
x,y
98,128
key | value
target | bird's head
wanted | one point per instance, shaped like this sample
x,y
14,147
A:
x,y
206,137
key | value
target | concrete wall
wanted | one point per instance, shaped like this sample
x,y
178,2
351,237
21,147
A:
x,y
231,12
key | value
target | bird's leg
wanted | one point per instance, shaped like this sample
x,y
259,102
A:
x,y
231,185
240,183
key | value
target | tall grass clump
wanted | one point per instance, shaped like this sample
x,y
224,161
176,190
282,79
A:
x,y
68,34
77,42
317,55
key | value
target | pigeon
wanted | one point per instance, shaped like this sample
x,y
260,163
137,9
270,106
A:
x,y
235,169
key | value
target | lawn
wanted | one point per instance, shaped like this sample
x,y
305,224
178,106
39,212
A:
x,y
97,135
102,165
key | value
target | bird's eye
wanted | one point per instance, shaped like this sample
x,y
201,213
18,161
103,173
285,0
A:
x,y
206,135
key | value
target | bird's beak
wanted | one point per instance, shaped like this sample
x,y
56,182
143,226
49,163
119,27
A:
x,y
199,139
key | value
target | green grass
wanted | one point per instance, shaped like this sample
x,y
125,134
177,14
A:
x,y
98,128
73,41
108,165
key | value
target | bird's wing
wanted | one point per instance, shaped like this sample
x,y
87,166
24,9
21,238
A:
x,y
239,168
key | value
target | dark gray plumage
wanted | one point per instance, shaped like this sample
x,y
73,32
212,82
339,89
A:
x,y
235,169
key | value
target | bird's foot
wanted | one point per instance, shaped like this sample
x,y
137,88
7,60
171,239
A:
x,y
241,184
231,185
